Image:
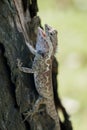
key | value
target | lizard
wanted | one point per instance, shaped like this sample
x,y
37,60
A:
x,y
42,70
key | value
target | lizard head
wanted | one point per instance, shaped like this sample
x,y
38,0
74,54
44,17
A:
x,y
52,34
42,45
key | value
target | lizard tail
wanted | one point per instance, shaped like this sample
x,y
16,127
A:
x,y
51,110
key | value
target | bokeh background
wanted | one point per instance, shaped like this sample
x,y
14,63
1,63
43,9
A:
x,y
69,17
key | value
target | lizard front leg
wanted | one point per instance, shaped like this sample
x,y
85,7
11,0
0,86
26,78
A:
x,y
24,69
35,108
33,51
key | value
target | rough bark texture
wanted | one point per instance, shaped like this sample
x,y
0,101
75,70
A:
x,y
17,89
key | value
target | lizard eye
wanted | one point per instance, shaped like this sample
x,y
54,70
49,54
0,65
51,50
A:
x,y
41,53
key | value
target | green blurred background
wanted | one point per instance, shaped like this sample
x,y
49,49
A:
x,y
69,17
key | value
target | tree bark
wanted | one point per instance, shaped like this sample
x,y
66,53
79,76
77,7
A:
x,y
17,89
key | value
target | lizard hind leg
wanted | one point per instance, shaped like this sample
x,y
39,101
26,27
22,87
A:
x,y
35,108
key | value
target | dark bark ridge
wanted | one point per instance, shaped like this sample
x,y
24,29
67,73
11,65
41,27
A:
x,y
17,90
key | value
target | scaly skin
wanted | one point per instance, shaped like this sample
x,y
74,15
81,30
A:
x,y
52,34
42,69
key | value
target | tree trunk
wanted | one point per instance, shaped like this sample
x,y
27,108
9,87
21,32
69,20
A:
x,y
17,89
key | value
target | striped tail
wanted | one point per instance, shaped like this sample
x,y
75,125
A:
x,y
51,110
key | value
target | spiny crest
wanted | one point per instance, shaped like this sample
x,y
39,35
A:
x,y
52,34
41,45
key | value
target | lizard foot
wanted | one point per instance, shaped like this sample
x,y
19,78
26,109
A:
x,y
30,114
19,64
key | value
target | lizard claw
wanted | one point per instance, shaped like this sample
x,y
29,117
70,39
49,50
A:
x,y
30,114
19,63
